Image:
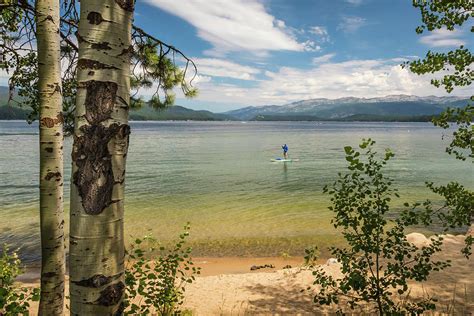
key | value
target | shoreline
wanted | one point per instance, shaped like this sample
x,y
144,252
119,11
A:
x,y
210,266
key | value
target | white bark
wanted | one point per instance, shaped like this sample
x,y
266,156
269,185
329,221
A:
x,y
99,154
51,158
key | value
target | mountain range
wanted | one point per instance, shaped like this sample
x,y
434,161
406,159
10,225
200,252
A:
x,y
392,106
389,108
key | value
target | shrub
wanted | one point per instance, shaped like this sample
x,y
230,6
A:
x,y
157,286
14,300
378,261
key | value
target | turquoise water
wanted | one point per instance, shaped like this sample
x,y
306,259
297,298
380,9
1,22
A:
x,y
218,176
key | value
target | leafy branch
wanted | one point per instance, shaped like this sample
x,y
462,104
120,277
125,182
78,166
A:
x,y
154,63
378,261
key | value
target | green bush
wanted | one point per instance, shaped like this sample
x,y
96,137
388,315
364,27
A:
x,y
156,286
14,300
378,261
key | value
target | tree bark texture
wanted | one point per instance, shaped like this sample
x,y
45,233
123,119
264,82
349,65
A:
x,y
51,158
98,158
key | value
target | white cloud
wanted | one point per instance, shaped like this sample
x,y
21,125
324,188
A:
x,y
355,2
224,68
237,25
311,46
351,24
443,38
323,58
201,79
356,78
321,32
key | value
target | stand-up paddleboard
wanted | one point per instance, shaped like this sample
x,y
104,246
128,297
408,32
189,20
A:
x,y
283,160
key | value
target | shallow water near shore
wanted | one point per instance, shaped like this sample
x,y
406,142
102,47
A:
x,y
218,176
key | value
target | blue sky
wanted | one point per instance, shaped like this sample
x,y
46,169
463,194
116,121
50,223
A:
x,y
263,52
257,52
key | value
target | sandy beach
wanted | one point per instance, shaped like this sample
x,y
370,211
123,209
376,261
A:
x,y
281,292
227,286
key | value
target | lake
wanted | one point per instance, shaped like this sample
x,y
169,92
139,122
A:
x,y
218,176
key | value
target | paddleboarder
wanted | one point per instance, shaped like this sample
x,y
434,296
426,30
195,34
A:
x,y
285,151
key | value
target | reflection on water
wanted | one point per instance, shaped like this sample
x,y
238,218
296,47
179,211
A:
x,y
218,176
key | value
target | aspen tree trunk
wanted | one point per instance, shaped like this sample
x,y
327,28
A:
x,y
51,158
99,151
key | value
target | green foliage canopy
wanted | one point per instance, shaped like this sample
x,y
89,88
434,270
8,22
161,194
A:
x,y
458,72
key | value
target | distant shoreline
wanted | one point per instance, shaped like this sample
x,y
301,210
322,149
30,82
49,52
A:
x,y
179,113
342,120
391,108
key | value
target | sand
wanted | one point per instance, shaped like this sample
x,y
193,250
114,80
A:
x,y
228,287
267,293
280,291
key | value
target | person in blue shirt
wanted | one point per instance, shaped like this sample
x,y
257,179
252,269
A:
x,y
285,151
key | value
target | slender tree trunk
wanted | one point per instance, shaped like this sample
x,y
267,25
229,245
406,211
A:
x,y
99,151
51,158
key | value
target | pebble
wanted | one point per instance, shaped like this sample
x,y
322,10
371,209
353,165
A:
x,y
253,268
331,261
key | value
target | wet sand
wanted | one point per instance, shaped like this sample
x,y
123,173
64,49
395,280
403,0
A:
x,y
210,266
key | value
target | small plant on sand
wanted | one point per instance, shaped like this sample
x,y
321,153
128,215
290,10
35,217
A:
x,y
378,261
14,300
285,255
156,286
311,255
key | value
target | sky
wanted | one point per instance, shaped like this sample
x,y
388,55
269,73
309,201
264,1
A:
x,y
274,52
264,52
